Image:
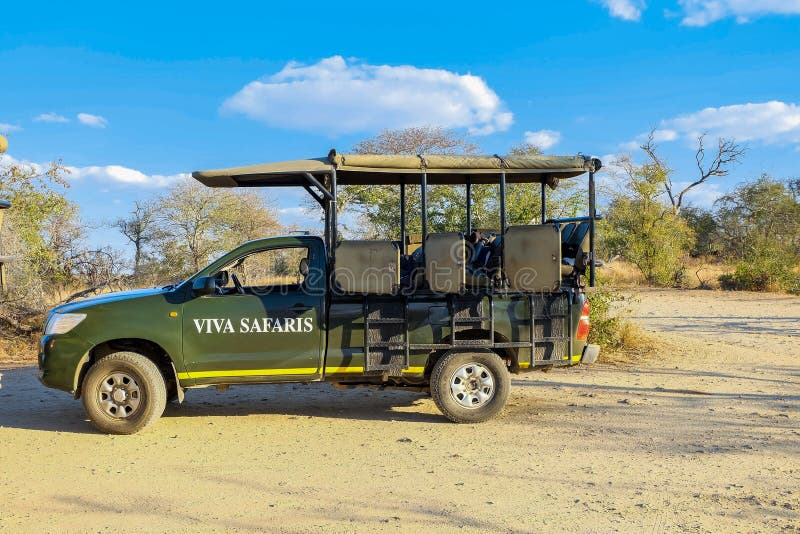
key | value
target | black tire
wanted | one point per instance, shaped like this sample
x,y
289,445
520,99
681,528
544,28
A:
x,y
145,385
444,375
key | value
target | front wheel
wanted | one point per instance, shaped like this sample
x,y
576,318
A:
x,y
123,393
470,387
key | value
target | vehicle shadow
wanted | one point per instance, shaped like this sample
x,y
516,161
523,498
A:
x,y
304,400
26,404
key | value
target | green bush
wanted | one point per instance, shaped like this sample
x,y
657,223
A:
x,y
604,323
763,271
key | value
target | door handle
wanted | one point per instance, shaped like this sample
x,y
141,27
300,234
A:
x,y
298,308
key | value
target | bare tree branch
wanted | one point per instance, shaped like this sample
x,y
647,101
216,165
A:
x,y
650,148
728,153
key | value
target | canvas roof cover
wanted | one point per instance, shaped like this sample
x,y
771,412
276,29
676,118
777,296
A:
x,y
369,169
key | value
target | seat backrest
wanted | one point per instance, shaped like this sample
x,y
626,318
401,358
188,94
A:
x,y
566,231
532,257
445,262
577,241
367,267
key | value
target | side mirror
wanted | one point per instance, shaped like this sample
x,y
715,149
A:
x,y
205,285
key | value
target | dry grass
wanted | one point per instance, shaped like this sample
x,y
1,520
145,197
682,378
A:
x,y
634,345
701,273
620,273
17,352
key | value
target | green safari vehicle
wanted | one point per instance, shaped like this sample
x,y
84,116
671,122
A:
x,y
453,314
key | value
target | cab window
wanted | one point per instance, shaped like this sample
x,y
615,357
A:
x,y
268,269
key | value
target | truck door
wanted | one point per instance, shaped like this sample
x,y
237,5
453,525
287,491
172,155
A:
x,y
266,321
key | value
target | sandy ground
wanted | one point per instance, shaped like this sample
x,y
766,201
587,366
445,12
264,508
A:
x,y
705,437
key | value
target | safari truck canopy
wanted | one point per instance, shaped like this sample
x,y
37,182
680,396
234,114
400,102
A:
x,y
369,169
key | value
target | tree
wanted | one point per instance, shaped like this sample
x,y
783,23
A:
x,y
759,228
643,228
141,229
417,140
378,207
704,224
568,199
727,154
197,223
43,234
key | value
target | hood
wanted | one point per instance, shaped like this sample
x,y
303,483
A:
x,y
107,298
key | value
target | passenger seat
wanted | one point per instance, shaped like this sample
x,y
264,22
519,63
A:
x,y
367,267
445,262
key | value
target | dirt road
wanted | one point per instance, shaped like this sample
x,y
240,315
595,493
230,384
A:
x,y
704,438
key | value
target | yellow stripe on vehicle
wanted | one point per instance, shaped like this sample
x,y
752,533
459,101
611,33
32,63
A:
x,y
343,370
359,370
249,372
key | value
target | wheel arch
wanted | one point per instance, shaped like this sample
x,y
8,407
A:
x,y
147,348
508,354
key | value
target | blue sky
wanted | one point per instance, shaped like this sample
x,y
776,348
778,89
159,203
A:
x,y
131,96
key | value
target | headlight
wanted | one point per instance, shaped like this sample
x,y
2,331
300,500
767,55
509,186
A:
x,y
61,323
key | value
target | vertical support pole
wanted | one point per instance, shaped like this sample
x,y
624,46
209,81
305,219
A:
x,y
424,205
403,248
544,203
503,223
502,203
327,215
469,205
592,216
333,217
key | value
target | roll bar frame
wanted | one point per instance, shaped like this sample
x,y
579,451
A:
x,y
327,198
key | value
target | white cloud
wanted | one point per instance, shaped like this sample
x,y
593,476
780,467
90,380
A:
x,y
8,128
124,175
106,174
50,117
625,9
767,122
95,121
704,12
544,139
336,96
295,211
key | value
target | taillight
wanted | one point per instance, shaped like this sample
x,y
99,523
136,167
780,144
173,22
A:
x,y
583,323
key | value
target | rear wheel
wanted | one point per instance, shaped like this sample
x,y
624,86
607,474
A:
x,y
123,393
470,387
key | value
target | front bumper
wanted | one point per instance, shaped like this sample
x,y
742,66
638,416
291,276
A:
x,y
590,353
61,360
